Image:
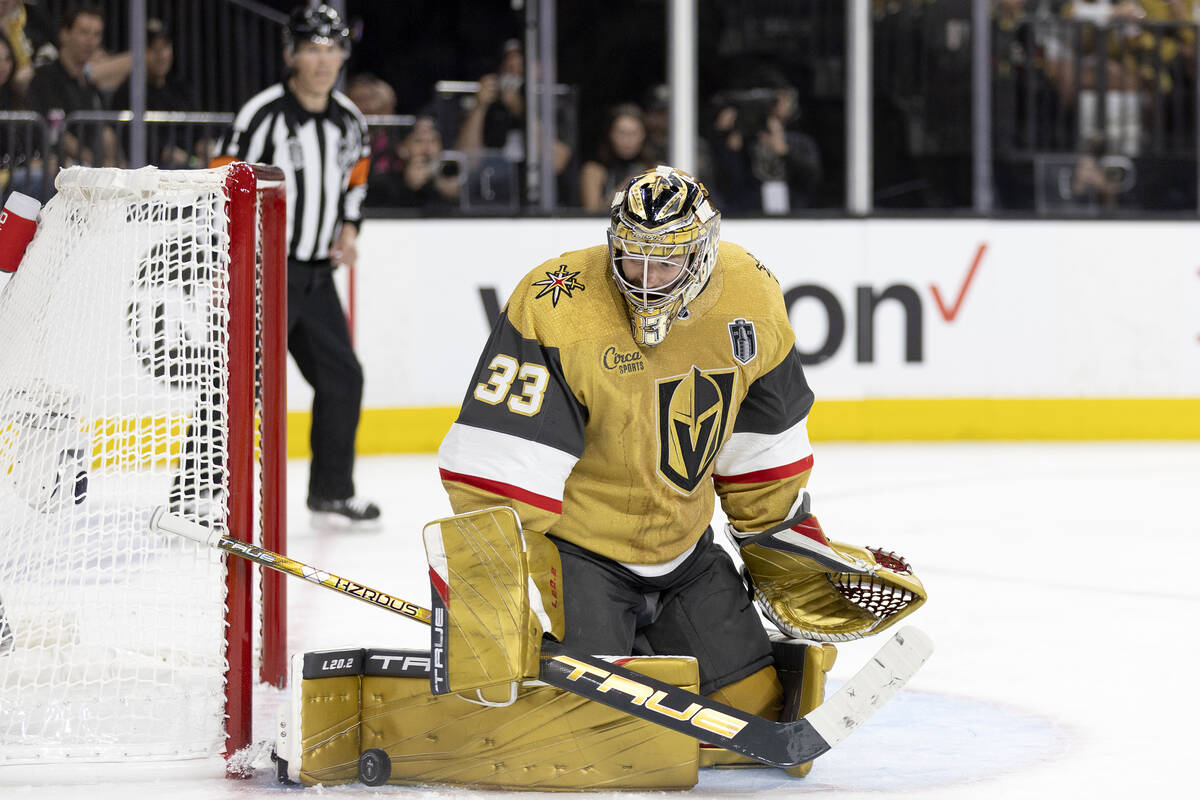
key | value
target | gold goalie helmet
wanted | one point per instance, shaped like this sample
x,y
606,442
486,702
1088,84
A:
x,y
663,216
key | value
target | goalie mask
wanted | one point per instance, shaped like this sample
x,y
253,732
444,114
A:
x,y
320,24
662,245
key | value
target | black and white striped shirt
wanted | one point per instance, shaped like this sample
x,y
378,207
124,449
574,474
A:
x,y
324,157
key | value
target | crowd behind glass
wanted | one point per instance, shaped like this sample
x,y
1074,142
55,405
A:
x,y
1093,102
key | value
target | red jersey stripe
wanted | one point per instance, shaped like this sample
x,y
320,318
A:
x,y
772,474
505,490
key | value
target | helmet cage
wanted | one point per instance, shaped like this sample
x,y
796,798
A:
x,y
653,308
687,258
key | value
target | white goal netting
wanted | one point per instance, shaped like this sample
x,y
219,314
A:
x,y
114,364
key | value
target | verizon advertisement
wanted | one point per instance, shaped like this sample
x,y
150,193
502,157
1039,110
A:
x,y
881,308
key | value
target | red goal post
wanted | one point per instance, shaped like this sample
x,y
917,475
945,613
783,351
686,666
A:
x,y
258,336
143,364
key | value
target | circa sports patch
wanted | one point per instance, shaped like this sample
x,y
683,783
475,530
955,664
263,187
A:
x,y
745,344
558,283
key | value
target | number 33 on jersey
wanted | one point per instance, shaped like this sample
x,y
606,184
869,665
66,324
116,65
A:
x,y
531,378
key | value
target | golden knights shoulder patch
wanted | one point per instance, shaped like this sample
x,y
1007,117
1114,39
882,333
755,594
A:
x,y
693,415
745,344
558,283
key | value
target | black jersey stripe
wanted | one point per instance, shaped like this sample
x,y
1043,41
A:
x,y
319,219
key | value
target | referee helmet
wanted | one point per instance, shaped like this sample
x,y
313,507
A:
x,y
320,24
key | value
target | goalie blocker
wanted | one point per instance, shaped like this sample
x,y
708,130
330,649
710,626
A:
x,y
495,591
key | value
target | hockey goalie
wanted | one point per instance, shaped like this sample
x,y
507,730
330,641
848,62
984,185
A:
x,y
624,389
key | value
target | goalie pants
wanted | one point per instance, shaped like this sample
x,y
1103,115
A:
x,y
700,609
319,340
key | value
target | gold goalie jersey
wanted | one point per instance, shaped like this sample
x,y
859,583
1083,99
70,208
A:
x,y
617,448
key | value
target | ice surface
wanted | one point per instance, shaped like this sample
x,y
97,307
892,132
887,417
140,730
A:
x,y
1063,604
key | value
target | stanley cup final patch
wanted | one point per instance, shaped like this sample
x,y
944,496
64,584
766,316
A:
x,y
741,336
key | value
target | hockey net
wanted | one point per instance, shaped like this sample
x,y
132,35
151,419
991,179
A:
x,y
141,364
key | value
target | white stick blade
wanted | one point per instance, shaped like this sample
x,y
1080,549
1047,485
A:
x,y
872,686
162,521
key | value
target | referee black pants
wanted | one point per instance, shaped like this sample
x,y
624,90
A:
x,y
319,340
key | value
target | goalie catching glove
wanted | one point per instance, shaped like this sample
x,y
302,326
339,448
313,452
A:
x,y
814,588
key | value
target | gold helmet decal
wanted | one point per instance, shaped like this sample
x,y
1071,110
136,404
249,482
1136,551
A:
x,y
655,200
661,223
693,415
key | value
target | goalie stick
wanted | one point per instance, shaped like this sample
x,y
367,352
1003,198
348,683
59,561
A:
x,y
780,744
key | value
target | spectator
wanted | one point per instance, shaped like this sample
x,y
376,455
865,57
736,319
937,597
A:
x,y
63,86
1143,68
1098,179
11,96
656,105
621,155
1158,64
374,98
657,117
172,146
306,128
163,91
1074,71
762,163
420,177
20,167
496,121
30,36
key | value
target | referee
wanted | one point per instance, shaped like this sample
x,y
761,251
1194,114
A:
x,y
319,139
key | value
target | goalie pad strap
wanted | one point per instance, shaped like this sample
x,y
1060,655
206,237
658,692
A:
x,y
801,667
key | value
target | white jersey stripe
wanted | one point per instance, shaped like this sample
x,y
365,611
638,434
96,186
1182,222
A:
x,y
258,143
752,452
505,458
354,201
306,247
247,112
283,160
334,181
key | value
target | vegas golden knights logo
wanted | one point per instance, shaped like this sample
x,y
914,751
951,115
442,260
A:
x,y
693,415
